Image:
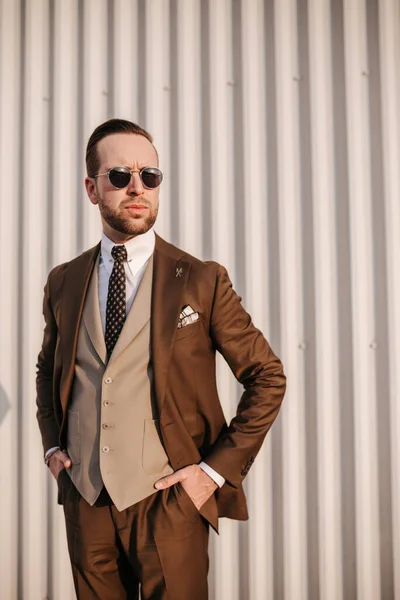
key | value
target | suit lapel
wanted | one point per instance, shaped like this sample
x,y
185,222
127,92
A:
x,y
74,290
138,315
91,314
170,276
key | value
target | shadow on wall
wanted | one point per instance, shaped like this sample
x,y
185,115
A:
x,y
4,404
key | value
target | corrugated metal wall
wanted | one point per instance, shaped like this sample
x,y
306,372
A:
x,y
277,124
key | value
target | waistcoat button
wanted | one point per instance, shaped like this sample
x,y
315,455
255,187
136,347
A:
x,y
106,403
108,380
105,449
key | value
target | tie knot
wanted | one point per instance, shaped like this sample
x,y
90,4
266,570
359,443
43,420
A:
x,y
119,253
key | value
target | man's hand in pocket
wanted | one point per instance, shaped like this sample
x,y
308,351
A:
x,y
58,461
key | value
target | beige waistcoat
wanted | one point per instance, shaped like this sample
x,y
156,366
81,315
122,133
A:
x,y
112,435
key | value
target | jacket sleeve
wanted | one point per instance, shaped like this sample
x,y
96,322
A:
x,y
256,367
44,376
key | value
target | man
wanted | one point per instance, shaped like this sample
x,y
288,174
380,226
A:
x,y
132,427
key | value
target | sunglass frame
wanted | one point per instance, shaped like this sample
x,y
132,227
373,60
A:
x,y
126,170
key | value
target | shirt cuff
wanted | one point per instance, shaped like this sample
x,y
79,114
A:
x,y
219,480
49,452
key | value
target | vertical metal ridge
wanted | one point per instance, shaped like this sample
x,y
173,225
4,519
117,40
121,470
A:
x,y
20,330
175,165
66,81
125,89
272,216
220,37
65,133
345,331
382,393
309,250
292,350
142,61
250,238
34,253
50,136
50,253
243,254
365,431
188,125
80,141
327,424
273,291
205,126
95,96
221,107
240,174
11,108
205,165
157,97
110,59
389,50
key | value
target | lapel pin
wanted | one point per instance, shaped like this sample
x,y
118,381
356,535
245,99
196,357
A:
x,y
178,272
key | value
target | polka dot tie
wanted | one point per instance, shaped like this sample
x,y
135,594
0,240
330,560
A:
x,y
116,299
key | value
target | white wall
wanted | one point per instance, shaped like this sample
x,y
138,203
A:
x,y
277,124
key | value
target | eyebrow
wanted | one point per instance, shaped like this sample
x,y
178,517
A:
x,y
141,165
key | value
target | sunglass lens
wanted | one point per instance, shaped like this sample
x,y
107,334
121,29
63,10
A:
x,y
151,177
119,177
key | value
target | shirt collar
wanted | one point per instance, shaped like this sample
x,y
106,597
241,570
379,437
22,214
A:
x,y
139,249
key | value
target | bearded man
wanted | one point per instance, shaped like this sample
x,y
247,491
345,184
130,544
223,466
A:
x,y
132,426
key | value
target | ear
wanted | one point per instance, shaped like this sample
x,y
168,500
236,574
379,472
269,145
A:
x,y
91,189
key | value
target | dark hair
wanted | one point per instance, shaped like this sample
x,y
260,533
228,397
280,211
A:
x,y
108,128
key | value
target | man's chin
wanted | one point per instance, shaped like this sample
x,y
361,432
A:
x,y
136,226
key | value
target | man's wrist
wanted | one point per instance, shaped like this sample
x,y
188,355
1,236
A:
x,y
216,477
50,453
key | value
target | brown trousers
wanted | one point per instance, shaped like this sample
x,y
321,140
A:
x,y
160,543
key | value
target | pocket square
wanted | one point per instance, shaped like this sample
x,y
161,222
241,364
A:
x,y
187,316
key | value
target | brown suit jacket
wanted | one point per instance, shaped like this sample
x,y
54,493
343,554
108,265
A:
x,y
193,427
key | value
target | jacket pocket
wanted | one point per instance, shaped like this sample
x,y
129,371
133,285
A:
x,y
73,437
188,330
154,458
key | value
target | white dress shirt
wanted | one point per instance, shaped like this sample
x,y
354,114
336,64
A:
x,y
139,249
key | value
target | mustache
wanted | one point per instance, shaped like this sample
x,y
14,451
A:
x,y
133,201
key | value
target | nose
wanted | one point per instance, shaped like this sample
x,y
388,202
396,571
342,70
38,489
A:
x,y
135,187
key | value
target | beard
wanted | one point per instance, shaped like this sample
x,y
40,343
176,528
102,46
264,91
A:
x,y
127,225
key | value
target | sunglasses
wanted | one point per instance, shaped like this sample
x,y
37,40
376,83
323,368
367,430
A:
x,y
120,177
